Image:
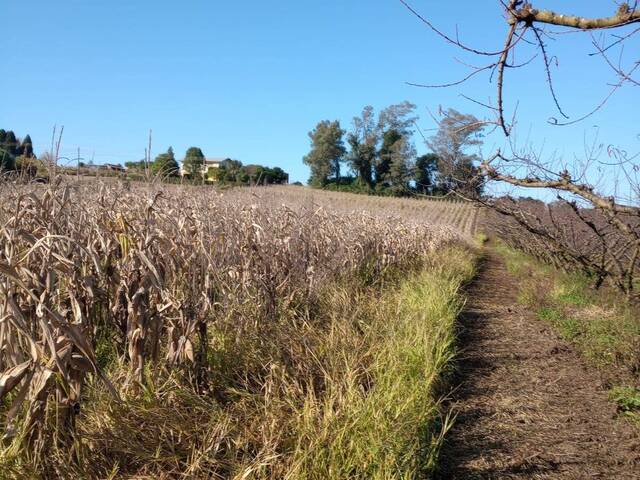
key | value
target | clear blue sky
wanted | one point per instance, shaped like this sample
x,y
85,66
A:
x,y
249,79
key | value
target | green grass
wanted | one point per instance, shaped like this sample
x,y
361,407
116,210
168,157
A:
x,y
481,238
569,328
628,401
572,289
393,428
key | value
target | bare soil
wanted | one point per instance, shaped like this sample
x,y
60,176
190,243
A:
x,y
527,405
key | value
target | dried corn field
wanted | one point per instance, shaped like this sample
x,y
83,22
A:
x,y
146,330
441,211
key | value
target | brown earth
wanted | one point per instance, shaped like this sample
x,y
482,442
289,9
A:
x,y
527,405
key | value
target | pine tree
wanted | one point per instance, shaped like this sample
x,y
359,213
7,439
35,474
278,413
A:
x,y
26,149
8,150
11,143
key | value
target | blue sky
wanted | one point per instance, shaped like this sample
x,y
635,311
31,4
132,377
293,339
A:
x,y
249,79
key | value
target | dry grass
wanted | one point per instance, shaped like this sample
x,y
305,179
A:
x,y
180,332
461,216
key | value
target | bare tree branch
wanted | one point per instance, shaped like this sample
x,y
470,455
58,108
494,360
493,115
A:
x,y
528,14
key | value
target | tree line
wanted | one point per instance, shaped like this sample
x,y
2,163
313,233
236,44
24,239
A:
x,y
17,155
235,173
380,156
229,171
166,165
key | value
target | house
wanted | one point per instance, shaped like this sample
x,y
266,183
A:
x,y
208,163
113,167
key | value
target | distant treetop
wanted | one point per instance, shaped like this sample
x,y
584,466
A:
x,y
11,148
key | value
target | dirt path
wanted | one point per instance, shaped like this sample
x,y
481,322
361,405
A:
x,y
527,405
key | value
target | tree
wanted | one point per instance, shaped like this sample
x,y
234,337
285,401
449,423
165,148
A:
x,y
234,172
165,164
231,165
385,156
230,171
401,155
372,141
278,176
425,172
597,215
361,158
242,177
394,123
457,132
363,140
27,147
399,117
327,151
140,165
7,161
530,26
11,144
193,162
212,173
8,150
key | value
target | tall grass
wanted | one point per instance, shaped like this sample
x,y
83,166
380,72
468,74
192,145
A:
x,y
178,332
380,418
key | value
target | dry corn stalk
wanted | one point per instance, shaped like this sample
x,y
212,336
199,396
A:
x,y
152,270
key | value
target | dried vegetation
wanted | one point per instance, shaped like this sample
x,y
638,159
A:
x,y
175,332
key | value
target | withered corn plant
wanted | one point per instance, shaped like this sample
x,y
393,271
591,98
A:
x,y
148,277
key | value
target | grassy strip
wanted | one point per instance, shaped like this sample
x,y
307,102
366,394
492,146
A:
x,y
389,426
349,389
601,324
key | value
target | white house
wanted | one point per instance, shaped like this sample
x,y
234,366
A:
x,y
208,163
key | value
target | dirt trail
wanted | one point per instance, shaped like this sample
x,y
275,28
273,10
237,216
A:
x,y
527,405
